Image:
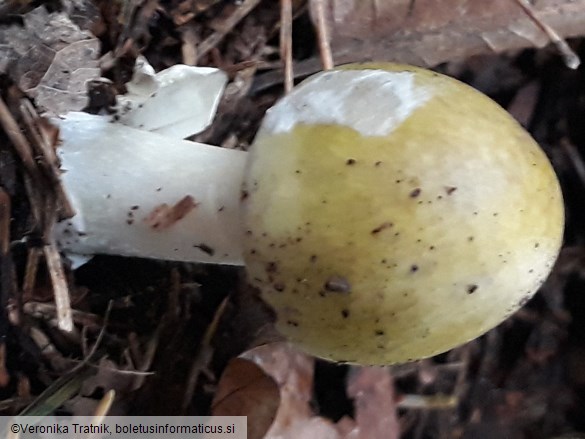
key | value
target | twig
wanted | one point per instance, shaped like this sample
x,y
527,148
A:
x,y
491,354
30,274
134,17
203,5
428,402
213,40
422,422
461,382
60,288
18,140
143,361
102,409
286,43
204,356
148,357
323,37
189,40
44,147
98,341
48,311
570,58
575,158
100,413
137,373
4,222
4,375
24,152
43,199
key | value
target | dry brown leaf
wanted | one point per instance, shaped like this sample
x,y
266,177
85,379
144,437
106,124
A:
x,y
372,390
245,390
50,58
428,32
293,371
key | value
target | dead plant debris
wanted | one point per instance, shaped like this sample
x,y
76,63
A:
x,y
185,338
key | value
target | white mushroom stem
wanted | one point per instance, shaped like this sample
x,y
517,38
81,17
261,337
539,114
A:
x,y
138,193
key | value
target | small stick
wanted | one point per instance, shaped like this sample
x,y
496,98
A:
x,y
18,140
41,211
60,288
97,342
189,40
323,34
145,361
4,375
575,158
32,177
570,58
45,147
30,274
461,380
286,43
103,407
213,40
204,356
4,222
428,402
48,311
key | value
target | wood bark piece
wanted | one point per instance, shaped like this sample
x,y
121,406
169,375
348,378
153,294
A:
x,y
246,390
428,32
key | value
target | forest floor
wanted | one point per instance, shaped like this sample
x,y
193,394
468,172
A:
x,y
177,338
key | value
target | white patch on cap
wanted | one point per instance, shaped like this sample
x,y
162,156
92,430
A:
x,y
372,102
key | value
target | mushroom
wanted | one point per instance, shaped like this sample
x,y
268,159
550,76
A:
x,y
387,212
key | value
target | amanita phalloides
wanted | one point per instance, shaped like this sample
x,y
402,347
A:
x,y
386,212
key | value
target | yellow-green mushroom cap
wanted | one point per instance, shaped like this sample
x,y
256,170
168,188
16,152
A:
x,y
392,213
